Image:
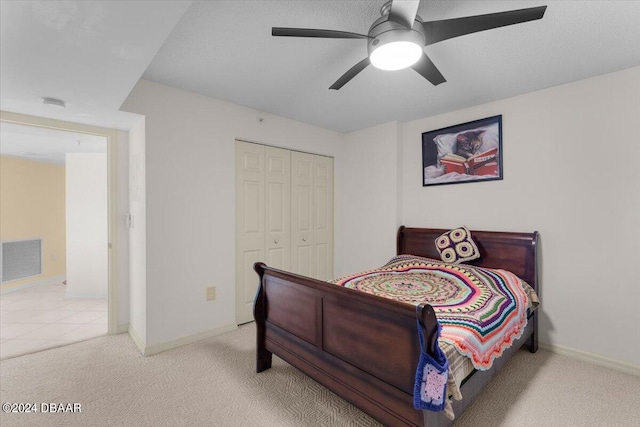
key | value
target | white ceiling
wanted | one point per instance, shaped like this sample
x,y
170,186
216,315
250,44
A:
x,y
87,53
224,49
91,54
46,145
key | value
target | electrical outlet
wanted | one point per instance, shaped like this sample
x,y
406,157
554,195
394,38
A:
x,y
211,293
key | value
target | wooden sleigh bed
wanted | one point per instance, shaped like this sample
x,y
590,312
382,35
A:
x,y
364,348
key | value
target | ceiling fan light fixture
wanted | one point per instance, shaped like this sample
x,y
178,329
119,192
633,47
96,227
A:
x,y
393,47
395,55
396,39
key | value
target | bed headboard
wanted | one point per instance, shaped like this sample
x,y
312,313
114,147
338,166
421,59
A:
x,y
515,252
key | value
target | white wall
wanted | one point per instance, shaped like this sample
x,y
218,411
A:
x,y
190,202
87,229
367,190
572,172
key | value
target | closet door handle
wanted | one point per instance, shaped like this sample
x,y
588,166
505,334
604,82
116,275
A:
x,y
275,242
304,239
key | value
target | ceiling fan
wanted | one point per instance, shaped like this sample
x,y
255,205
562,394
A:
x,y
396,39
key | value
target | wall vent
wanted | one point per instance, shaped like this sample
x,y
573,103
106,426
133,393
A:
x,y
21,259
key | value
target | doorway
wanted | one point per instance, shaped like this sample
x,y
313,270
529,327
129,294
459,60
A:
x,y
56,198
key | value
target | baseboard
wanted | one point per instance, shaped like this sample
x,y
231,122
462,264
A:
x,y
46,281
136,339
616,365
179,342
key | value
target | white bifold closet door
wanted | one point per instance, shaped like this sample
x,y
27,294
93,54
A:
x,y
278,211
284,216
312,215
250,224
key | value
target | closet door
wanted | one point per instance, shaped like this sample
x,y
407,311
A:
x,y
278,207
302,214
312,215
323,217
284,217
250,224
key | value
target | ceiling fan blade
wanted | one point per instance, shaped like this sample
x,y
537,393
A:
x,y
427,69
353,71
312,32
404,12
436,31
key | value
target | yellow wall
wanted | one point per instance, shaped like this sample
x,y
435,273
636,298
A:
x,y
32,205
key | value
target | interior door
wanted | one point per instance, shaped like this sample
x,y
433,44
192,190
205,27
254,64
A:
x,y
323,217
302,231
278,205
250,224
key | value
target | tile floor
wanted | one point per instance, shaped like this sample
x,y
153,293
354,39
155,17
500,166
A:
x,y
41,317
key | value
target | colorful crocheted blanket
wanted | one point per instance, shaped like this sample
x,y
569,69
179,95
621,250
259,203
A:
x,y
481,310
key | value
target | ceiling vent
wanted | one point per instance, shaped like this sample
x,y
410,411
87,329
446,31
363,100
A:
x,y
54,102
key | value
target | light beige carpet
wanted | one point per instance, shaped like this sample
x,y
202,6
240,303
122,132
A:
x,y
213,383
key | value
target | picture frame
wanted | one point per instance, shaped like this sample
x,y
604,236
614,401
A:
x,y
466,152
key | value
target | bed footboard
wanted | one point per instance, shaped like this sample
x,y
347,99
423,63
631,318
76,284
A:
x,y
363,349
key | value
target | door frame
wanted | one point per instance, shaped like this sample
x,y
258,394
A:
x,y
112,138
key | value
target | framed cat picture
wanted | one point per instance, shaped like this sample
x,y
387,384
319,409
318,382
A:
x,y
468,152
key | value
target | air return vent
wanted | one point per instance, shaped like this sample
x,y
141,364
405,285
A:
x,y
21,259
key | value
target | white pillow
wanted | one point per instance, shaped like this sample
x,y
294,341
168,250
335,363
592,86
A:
x,y
446,144
490,138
